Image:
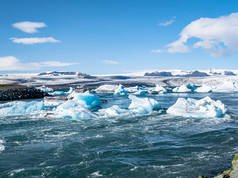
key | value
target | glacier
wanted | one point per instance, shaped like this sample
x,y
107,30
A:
x,y
203,108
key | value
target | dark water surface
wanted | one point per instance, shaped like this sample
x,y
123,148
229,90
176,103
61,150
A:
x,y
157,145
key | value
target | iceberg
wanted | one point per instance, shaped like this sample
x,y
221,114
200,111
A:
x,y
86,99
78,106
72,109
120,90
45,89
227,86
203,89
58,93
2,147
158,89
142,105
113,111
184,88
141,92
138,106
106,89
202,108
21,108
70,91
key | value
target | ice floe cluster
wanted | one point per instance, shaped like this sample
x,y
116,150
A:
x,y
73,104
205,107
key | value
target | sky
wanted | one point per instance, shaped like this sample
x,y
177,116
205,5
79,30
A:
x,y
117,36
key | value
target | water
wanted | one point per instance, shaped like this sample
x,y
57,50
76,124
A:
x,y
155,145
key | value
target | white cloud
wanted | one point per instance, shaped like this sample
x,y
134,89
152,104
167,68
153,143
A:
x,y
29,27
110,62
156,51
34,40
57,64
168,22
11,63
219,36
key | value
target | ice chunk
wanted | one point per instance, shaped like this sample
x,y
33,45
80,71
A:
x,y
58,93
106,88
73,110
21,108
205,107
158,89
113,111
45,89
203,89
142,105
141,92
227,86
86,99
120,90
78,105
2,147
184,88
70,91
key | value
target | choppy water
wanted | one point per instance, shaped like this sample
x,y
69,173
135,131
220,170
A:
x,y
158,145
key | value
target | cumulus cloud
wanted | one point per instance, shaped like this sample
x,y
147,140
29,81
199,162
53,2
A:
x,y
218,36
29,27
11,63
110,62
34,40
169,22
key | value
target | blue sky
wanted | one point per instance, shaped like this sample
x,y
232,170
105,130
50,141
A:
x,y
117,36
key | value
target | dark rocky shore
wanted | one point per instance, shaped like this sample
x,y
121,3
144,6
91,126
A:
x,y
10,93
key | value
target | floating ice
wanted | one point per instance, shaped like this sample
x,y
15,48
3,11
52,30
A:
x,y
203,89
141,92
58,93
184,88
78,106
120,90
2,147
86,99
142,105
202,108
113,111
73,110
106,88
70,91
21,108
45,89
158,89
227,86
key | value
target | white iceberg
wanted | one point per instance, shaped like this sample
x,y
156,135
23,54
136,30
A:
x,y
21,108
120,90
70,91
226,86
2,147
141,92
106,89
78,105
203,89
142,105
158,89
202,108
183,89
73,110
45,89
113,111
57,93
